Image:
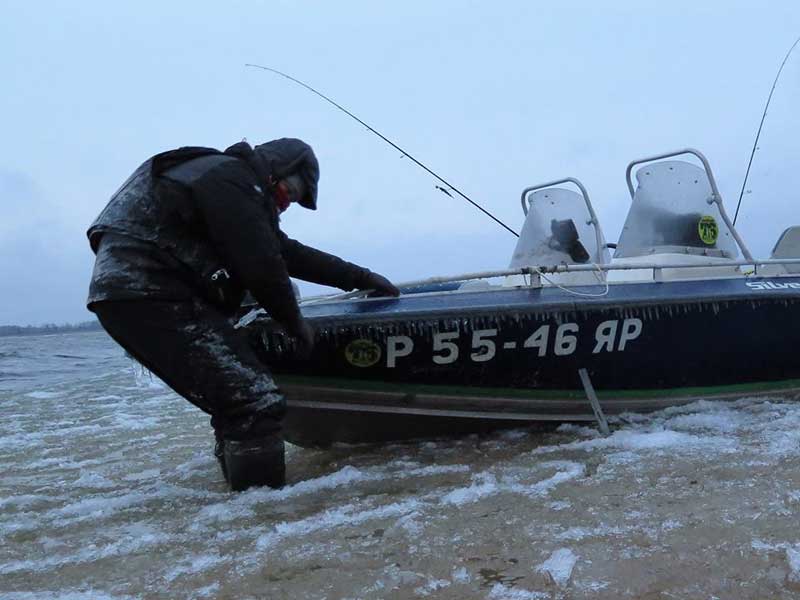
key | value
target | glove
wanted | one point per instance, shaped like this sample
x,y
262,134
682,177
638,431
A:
x,y
304,337
379,283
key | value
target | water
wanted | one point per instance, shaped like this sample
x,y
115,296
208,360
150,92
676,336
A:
x,y
109,490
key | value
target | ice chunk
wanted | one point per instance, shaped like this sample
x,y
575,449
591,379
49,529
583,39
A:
x,y
559,566
432,585
566,470
483,485
503,592
655,438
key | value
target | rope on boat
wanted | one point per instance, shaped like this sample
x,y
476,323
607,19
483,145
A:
x,y
600,279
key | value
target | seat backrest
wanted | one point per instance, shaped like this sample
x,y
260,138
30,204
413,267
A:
x,y
788,246
536,245
671,213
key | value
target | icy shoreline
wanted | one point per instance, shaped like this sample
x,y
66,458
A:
x,y
109,490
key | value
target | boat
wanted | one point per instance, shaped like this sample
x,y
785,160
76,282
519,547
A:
x,y
567,333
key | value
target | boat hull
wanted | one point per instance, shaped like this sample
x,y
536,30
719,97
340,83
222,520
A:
x,y
453,363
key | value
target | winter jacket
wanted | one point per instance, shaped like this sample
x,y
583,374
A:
x,y
185,214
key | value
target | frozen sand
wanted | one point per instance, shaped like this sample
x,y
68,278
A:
x,y
109,490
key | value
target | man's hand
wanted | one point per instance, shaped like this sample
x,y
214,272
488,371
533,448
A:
x,y
304,335
379,283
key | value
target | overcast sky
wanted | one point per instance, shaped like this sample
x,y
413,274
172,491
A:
x,y
495,96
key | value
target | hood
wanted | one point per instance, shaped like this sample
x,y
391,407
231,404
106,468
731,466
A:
x,y
288,156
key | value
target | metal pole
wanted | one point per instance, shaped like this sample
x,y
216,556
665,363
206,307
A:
x,y
558,269
596,408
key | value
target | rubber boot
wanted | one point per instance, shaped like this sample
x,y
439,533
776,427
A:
x,y
256,462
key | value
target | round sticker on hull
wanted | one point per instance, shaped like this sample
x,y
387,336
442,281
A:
x,y
708,229
362,353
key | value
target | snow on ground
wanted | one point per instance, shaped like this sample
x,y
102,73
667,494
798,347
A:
x,y
109,490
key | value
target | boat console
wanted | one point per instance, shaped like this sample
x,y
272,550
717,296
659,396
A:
x,y
674,210
788,246
677,218
677,228
561,228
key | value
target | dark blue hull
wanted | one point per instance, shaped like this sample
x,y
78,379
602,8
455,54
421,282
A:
x,y
452,362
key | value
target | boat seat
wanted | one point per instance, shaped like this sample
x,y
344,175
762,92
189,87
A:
x,y
788,246
559,230
667,210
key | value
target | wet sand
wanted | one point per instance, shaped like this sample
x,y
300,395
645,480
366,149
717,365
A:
x,y
109,490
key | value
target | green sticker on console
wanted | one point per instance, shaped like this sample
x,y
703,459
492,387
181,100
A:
x,y
708,229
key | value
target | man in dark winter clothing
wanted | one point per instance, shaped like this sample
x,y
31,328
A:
x,y
177,247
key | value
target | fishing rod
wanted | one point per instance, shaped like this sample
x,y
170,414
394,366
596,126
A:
x,y
392,144
760,126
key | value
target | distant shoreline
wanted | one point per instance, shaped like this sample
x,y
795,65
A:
x,y
48,329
